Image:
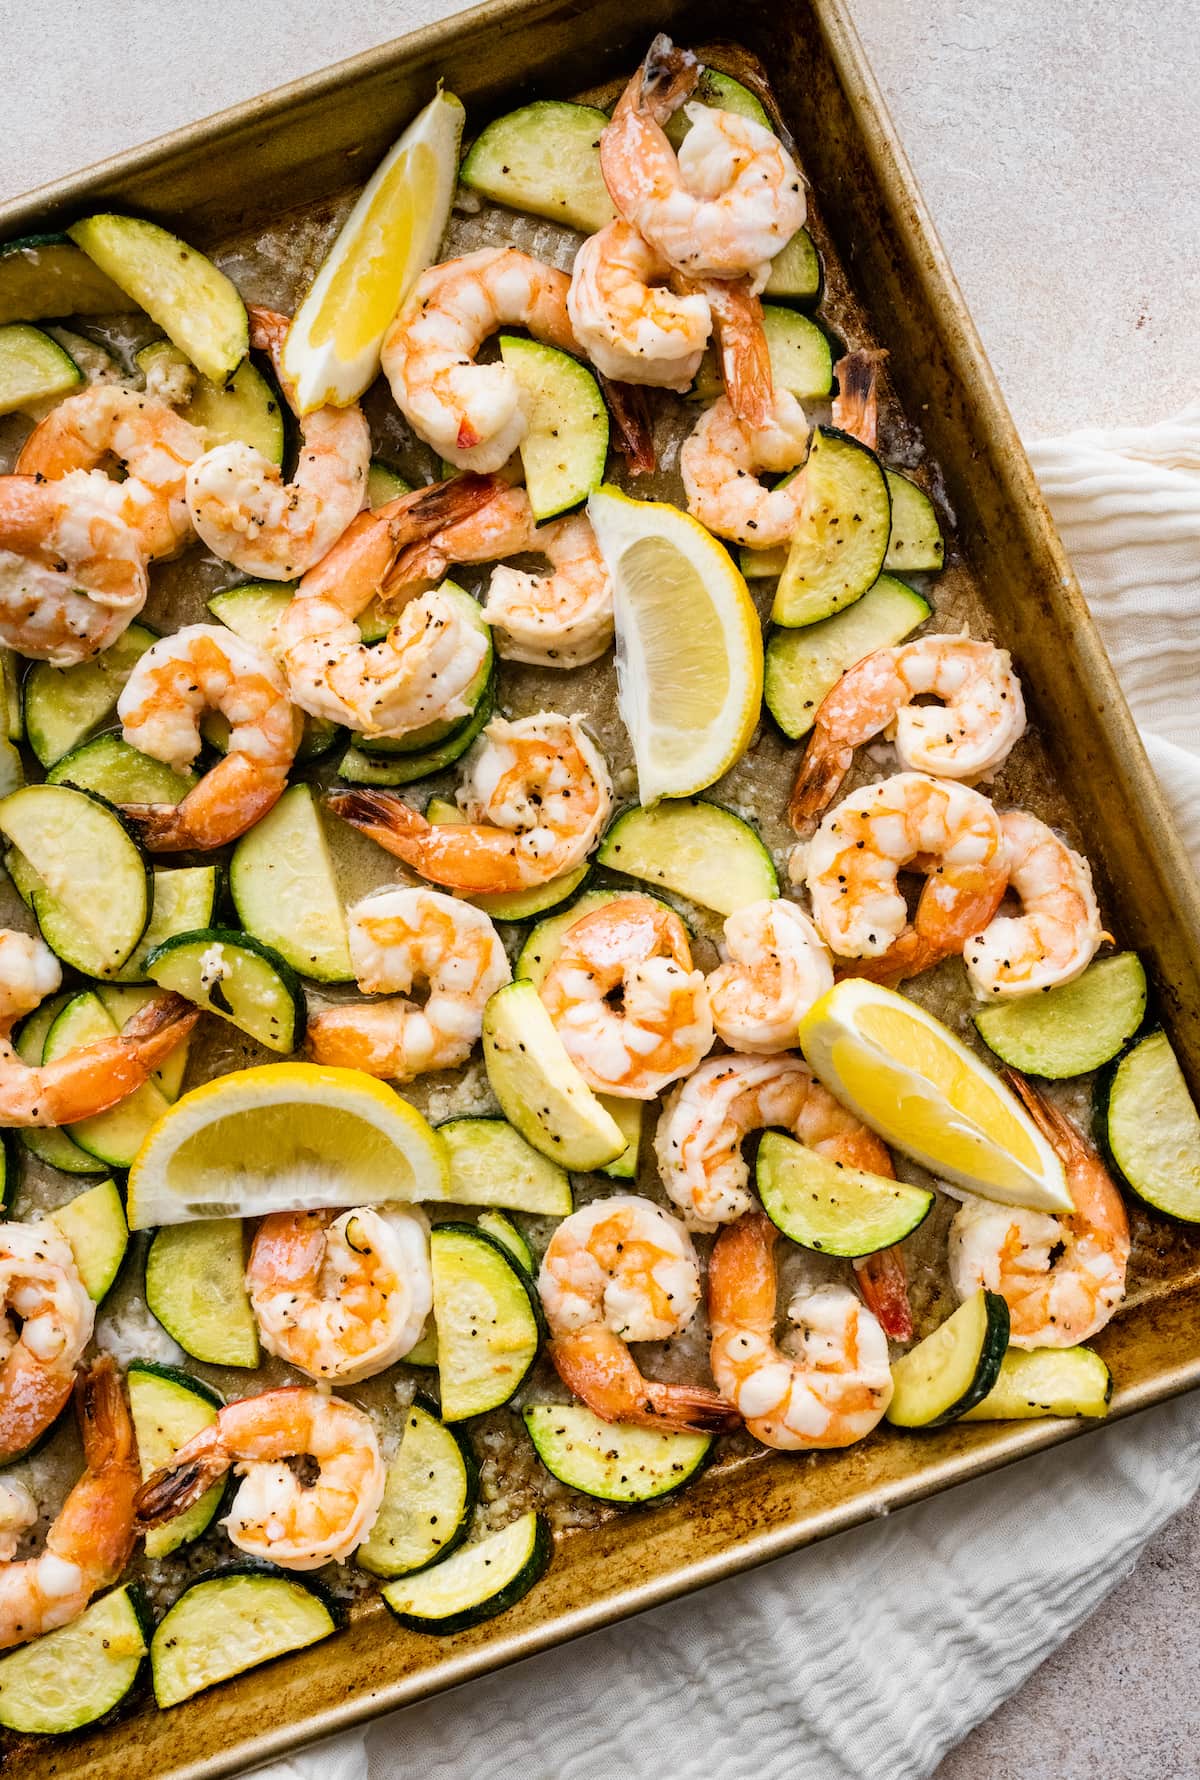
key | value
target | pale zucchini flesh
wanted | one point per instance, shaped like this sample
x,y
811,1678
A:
x,y
245,409
236,976
1071,1029
795,275
800,353
954,1368
184,900
612,1462
1045,1381
42,276
492,1164
93,896
477,1581
915,542
64,706
285,890
196,1288
51,1144
168,1407
538,1086
804,666
545,942
695,848
108,766
838,551
233,1621
565,446
487,1313
33,368
113,1137
544,158
428,1499
94,1226
505,1232
1148,1125
833,1209
71,1677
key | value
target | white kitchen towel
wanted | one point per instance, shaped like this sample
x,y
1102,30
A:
x,y
867,1657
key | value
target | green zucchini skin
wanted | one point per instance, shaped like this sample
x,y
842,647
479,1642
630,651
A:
x,y
531,1572
101,1679
991,1358
426,1405
8,1171
1170,1203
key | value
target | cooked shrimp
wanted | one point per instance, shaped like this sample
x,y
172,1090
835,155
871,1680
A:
x,y
72,571
626,316
157,447
40,1287
1062,1277
18,1512
472,414
631,1011
720,460
397,939
90,1543
1056,935
622,1270
536,796
831,1392
947,831
341,1296
856,404
730,200
422,670
85,1081
776,965
200,668
975,727
244,510
280,1512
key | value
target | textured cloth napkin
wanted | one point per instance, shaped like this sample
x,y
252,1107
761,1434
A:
x,y
867,1657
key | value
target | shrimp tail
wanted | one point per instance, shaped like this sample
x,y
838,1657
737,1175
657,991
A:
x,y
856,405
1053,1124
105,1427
883,1282
666,78
634,430
388,820
158,1027
598,1367
742,346
820,773
178,1486
97,1518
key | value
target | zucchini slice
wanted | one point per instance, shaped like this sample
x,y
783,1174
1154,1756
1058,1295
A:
x,y
195,305
612,1462
1148,1123
169,1406
246,409
196,1288
802,666
565,446
628,1117
64,706
477,1582
514,905
505,1232
237,977
545,942
283,885
801,359
695,848
915,541
539,1088
428,1500
33,369
119,773
120,1002
954,1368
424,1353
722,92
46,275
1046,1381
830,1208
491,1164
838,550
430,735
231,1621
8,1171
12,717
795,271
51,1144
252,611
12,772
116,1136
71,1677
487,1317
94,1225
185,899
357,767
1072,1029
92,900
384,484
544,158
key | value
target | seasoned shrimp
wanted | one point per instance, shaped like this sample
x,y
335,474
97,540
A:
x,y
90,1543
472,414
84,1081
536,796
622,1270
730,200
399,938
947,831
200,668
106,423
1062,1277
40,1287
421,671
341,1296
631,1011
831,1392
1057,933
856,404
72,571
280,1512
18,1512
720,460
244,510
978,723
776,965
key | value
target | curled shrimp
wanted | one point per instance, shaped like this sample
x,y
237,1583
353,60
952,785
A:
x,y
979,721
248,515
720,460
398,939
829,1393
776,966
95,1076
622,1270
106,423
1057,933
1062,1277
631,1011
40,1286
341,1296
730,200
631,323
536,796
18,1512
90,1542
421,671
280,1512
472,414
947,831
72,571
200,668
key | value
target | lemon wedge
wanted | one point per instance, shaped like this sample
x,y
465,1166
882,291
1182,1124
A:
x,y
332,349
689,644
283,1137
912,1081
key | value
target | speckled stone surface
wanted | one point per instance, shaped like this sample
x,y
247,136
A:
x,y
1055,145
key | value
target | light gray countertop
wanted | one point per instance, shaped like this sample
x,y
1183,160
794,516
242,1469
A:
x,y
1055,146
